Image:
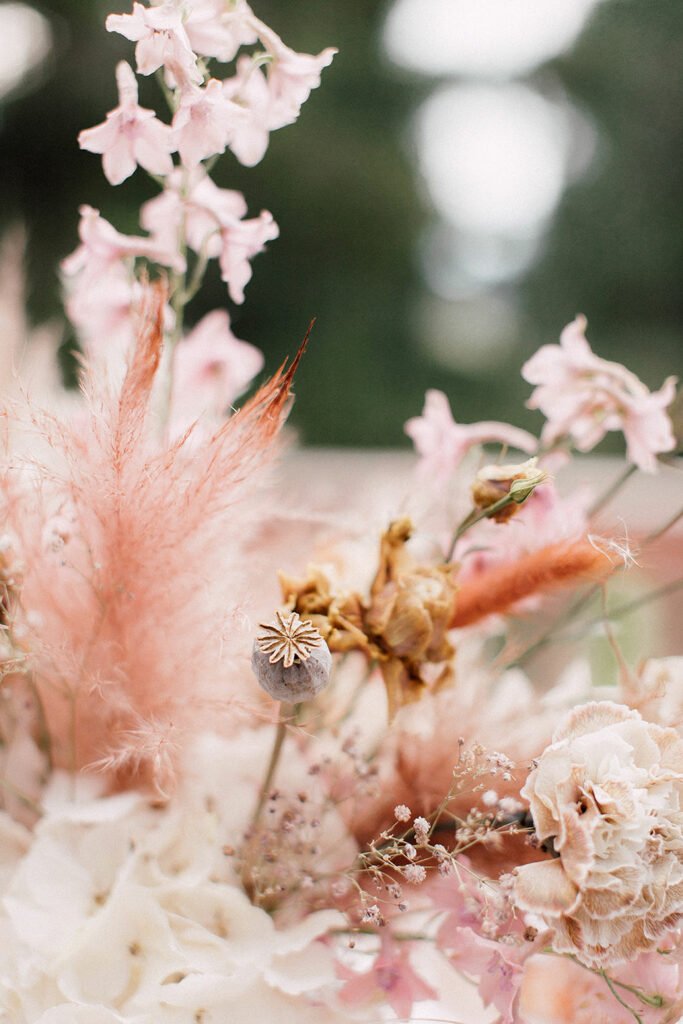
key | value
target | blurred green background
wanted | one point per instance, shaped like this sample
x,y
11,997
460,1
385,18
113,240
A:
x,y
413,286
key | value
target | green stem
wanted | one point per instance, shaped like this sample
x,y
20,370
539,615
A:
x,y
476,516
608,981
578,605
616,613
280,734
656,534
22,797
611,491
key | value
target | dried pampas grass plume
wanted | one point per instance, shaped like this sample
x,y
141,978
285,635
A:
x,y
127,618
496,590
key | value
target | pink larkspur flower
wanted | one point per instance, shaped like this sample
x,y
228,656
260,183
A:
x,y
291,76
442,443
101,245
201,202
131,135
101,306
161,41
218,29
583,397
214,224
211,369
391,979
249,88
241,241
204,123
99,279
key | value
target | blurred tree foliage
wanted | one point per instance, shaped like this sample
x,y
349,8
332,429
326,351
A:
x,y
342,185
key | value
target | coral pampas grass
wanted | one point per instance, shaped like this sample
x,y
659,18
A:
x,y
133,616
496,590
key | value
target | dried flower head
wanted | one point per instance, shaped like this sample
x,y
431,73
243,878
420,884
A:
x,y
408,618
401,625
288,639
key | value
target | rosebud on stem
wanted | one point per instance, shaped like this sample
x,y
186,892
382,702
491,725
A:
x,y
521,482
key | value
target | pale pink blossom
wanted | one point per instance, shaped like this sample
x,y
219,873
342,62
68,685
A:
x,y
241,240
583,397
100,306
205,122
211,369
204,206
291,76
131,135
161,41
214,225
100,284
249,88
482,940
556,990
442,443
217,28
102,245
392,979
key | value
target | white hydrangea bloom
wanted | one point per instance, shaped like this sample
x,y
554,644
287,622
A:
x,y
118,912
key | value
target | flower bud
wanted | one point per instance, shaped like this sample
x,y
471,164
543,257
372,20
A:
x,y
494,483
291,661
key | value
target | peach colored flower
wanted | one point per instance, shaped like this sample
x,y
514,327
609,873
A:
x,y
583,397
607,800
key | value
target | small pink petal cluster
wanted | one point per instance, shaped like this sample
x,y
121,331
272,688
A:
x,y
482,939
442,443
583,397
391,980
212,369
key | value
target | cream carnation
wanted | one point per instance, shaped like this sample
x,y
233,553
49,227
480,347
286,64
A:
x,y
606,797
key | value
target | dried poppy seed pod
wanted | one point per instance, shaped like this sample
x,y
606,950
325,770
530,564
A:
x,y
290,659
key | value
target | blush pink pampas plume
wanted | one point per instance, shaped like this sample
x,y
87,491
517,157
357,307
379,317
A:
x,y
135,567
497,589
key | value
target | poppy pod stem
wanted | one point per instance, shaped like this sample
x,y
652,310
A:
x,y
287,711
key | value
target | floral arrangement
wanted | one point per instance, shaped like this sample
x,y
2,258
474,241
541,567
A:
x,y
340,796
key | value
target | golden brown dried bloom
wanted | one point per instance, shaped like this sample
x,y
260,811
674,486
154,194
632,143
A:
x,y
409,615
608,795
492,483
402,625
